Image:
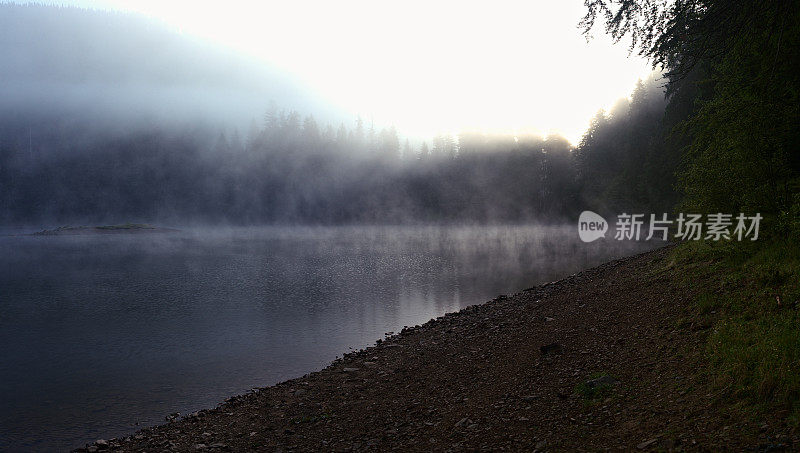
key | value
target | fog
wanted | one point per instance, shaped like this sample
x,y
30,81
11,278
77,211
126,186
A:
x,y
87,65
113,117
105,334
298,231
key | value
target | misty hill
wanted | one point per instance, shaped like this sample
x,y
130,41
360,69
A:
x,y
110,118
93,64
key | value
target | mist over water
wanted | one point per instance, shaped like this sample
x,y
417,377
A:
x,y
335,171
102,332
110,118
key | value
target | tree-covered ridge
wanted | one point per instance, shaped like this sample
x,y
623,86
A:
x,y
731,134
623,162
289,169
724,139
733,84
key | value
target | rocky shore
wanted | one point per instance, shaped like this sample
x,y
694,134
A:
x,y
607,359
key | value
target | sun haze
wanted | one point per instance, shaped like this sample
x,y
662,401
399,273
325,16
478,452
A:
x,y
426,67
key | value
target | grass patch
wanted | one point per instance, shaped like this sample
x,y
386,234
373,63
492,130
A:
x,y
752,290
595,389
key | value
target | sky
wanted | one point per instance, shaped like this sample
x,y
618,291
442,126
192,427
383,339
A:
x,y
427,67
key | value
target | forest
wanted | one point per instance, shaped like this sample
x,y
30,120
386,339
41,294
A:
x,y
292,169
717,132
728,139
107,119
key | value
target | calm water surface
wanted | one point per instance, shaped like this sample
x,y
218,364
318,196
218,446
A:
x,y
101,335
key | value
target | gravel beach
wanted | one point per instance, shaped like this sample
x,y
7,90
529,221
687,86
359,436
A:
x,y
607,359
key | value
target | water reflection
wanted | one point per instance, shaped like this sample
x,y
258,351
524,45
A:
x,y
102,332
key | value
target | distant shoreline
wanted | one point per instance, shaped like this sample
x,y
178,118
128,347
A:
x,y
127,228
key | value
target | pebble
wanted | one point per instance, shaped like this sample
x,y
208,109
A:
x,y
646,443
601,381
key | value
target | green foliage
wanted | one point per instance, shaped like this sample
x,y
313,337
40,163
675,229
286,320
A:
x,y
753,290
624,163
744,136
758,358
594,393
733,106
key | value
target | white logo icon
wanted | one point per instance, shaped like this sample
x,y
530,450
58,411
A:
x,y
591,226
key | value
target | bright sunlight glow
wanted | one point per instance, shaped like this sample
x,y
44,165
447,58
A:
x,y
425,66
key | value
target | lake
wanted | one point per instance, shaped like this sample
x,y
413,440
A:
x,y
104,334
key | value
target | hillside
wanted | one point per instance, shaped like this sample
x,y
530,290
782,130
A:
x,y
116,68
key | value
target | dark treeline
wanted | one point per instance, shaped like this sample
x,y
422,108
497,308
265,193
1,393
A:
x,y
717,134
100,121
728,139
292,169
289,170
623,161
